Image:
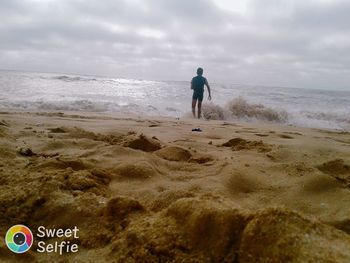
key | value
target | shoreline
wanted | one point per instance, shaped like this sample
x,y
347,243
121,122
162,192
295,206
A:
x,y
146,188
187,117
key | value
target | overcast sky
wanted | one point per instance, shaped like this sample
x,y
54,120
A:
x,y
293,43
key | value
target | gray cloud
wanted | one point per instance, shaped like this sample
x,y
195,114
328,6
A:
x,y
285,43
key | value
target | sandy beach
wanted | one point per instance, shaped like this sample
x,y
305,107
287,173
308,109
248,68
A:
x,y
152,190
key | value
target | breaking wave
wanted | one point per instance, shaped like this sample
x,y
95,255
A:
x,y
240,109
213,112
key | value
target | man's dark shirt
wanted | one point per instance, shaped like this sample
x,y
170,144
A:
x,y
198,84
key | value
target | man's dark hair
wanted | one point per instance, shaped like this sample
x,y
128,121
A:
x,y
199,71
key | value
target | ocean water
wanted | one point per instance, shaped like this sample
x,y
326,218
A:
x,y
58,92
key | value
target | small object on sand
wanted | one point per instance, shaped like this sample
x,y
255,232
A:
x,y
26,152
197,129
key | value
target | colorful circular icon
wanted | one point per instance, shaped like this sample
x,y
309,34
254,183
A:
x,y
19,239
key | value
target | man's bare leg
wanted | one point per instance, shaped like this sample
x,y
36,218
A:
x,y
199,109
194,108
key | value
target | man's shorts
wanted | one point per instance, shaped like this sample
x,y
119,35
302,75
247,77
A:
x,y
197,95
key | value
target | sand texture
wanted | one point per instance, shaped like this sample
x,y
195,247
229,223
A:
x,y
151,190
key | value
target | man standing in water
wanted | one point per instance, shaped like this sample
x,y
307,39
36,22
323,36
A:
x,y
197,84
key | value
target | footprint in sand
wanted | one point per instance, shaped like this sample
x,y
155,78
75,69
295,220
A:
x,y
238,144
142,143
4,123
261,135
285,136
178,154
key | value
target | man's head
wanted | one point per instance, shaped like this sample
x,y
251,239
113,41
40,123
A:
x,y
199,71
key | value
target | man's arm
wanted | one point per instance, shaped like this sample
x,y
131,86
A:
x,y
192,84
208,87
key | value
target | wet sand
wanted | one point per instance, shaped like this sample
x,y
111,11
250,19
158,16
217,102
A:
x,y
151,190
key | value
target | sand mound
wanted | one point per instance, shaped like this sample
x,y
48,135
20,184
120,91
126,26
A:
x,y
80,180
238,144
142,143
154,240
213,230
61,210
337,169
168,197
174,153
101,176
119,207
321,183
238,183
188,231
80,133
130,140
61,164
59,198
44,192
138,170
193,230
111,139
276,235
87,181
